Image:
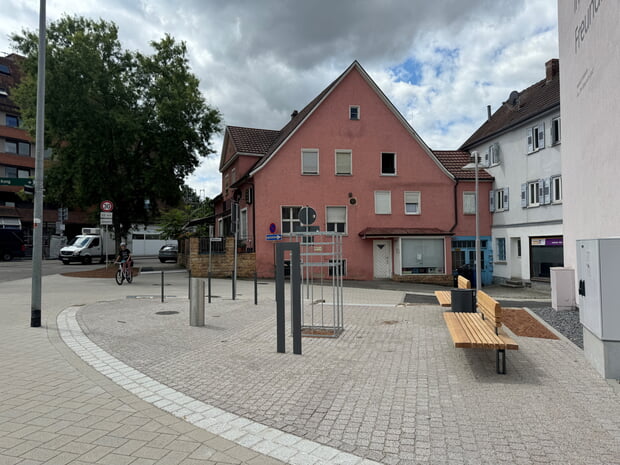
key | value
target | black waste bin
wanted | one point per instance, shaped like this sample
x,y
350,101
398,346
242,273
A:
x,y
463,300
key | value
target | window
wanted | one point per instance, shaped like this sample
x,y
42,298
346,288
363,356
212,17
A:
x,y
337,267
233,175
21,173
422,256
243,224
469,203
354,112
310,162
501,248
388,164
556,189
12,121
290,219
337,219
10,146
23,148
383,202
533,194
555,131
499,200
494,154
10,172
4,69
412,203
536,138
343,162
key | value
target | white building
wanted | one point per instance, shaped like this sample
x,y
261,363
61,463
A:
x,y
589,40
520,146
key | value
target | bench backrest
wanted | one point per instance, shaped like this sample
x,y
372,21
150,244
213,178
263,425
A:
x,y
463,283
490,308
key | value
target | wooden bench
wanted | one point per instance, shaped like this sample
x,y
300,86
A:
x,y
445,297
482,330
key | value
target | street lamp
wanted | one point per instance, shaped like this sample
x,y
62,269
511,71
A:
x,y
473,165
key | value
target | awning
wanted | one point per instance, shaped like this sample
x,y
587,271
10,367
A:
x,y
368,233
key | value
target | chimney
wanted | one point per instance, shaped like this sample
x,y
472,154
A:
x,y
295,113
552,68
488,112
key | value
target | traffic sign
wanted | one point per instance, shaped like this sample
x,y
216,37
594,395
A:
x,y
216,239
107,206
106,215
307,215
273,237
16,182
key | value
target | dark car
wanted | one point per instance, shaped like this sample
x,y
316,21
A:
x,y
168,252
11,244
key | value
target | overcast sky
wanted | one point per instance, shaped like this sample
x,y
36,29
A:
x,y
440,62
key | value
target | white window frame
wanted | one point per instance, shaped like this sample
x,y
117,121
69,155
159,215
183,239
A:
x,y
533,193
556,131
413,198
469,206
243,224
536,138
494,155
309,153
354,109
342,153
395,173
330,210
499,200
291,220
387,196
556,189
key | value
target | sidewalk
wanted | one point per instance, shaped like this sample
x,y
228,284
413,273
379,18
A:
x,y
55,409
391,389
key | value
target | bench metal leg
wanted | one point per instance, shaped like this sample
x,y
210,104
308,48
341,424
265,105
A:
x,y
503,364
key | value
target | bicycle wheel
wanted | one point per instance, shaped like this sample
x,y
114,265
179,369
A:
x,y
119,277
129,276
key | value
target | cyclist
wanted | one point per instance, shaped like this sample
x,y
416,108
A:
x,y
124,257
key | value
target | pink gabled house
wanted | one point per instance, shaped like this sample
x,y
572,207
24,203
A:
x,y
352,157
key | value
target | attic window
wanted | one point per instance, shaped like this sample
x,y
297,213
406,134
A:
x,y
354,112
4,69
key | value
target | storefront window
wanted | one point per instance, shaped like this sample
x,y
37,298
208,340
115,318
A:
x,y
423,256
546,252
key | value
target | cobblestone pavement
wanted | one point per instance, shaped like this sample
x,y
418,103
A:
x,y
390,389
56,410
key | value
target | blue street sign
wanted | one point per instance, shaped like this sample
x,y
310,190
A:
x,y
273,237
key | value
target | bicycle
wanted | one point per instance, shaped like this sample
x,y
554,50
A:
x,y
123,274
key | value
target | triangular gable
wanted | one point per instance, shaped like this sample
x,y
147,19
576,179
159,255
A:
x,y
245,141
287,132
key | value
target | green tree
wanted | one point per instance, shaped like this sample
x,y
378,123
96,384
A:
x,y
122,126
173,222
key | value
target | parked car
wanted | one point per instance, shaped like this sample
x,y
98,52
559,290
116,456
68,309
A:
x,y
11,244
168,252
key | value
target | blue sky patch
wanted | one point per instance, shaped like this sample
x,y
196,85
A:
x,y
409,71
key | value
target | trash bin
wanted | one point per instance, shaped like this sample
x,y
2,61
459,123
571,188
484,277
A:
x,y
463,300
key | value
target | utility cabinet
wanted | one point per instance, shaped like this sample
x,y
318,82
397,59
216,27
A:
x,y
598,279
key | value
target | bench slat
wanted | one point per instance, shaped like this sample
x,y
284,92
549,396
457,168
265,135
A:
x,y
479,332
444,298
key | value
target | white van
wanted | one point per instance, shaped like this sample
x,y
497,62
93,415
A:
x,y
89,246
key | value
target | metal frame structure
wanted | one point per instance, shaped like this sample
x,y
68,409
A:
x,y
321,270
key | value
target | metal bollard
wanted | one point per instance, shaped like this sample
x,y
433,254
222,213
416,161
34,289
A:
x,y
197,303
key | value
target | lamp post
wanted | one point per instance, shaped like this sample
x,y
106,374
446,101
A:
x,y
474,165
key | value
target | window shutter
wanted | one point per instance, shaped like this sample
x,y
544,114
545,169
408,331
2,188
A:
x,y
491,201
343,162
530,140
524,195
541,136
505,198
414,199
541,191
547,190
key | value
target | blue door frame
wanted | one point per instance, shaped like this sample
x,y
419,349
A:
x,y
465,248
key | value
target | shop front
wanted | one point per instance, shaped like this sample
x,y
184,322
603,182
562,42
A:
x,y
545,253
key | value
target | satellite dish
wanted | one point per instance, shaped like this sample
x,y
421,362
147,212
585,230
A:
x,y
513,98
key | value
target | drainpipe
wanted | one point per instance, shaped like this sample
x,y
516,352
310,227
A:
x,y
456,212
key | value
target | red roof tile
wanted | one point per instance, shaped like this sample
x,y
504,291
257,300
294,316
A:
x,y
455,160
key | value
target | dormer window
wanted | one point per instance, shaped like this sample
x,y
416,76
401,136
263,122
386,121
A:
x,y
354,112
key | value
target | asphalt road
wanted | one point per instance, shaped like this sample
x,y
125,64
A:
x,y
22,268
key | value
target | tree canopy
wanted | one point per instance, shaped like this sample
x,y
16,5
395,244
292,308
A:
x,y
123,126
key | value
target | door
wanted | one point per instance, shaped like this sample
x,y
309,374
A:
x,y
515,258
382,259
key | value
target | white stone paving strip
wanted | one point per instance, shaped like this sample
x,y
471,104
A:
x,y
255,436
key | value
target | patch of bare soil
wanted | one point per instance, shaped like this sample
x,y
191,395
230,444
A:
x,y
104,272
522,323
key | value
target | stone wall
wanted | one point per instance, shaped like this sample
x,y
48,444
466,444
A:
x,y
221,263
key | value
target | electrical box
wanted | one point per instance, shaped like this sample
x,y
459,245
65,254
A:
x,y
598,273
